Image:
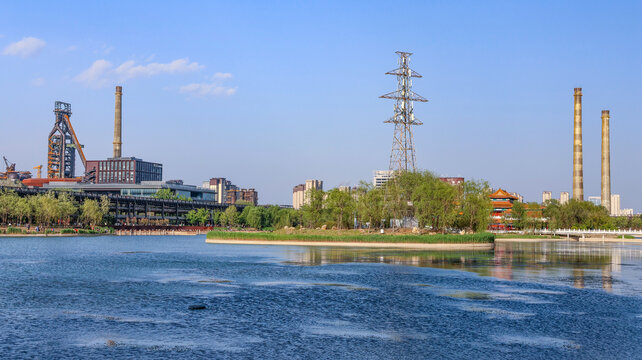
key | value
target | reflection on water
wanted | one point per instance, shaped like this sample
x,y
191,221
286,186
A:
x,y
590,265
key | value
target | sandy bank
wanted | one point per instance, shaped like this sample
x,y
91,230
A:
x,y
469,246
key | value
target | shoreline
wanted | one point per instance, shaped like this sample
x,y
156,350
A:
x,y
591,240
425,246
50,235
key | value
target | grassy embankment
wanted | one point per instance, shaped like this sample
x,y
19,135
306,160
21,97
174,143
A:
x,y
336,236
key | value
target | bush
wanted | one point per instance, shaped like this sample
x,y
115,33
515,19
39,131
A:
x,y
13,230
67,231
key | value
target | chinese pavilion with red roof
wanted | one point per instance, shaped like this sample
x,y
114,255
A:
x,y
502,203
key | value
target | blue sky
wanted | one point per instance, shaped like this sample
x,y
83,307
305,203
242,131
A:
x,y
271,93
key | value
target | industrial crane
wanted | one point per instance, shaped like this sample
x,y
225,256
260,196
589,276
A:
x,y
11,173
39,168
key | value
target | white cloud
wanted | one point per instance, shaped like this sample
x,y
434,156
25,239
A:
x,y
24,48
96,75
215,87
128,69
38,82
102,72
219,75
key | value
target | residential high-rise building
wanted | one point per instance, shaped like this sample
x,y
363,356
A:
x,y
518,197
381,177
615,205
228,193
546,196
564,196
300,192
297,196
596,200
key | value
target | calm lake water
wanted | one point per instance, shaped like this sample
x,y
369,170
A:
x,y
128,297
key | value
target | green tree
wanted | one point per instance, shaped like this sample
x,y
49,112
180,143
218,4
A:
x,y
256,218
66,207
8,201
165,194
198,217
341,205
518,214
313,212
230,216
370,205
476,206
434,202
90,212
242,218
22,209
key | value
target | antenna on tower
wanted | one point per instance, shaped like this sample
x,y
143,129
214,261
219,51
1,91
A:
x,y
402,156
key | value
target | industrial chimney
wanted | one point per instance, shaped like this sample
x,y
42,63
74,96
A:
x,y
606,161
118,122
578,171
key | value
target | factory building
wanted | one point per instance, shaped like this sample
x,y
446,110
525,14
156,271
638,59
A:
x,y
124,170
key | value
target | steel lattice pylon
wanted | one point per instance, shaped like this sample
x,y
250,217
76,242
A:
x,y
402,156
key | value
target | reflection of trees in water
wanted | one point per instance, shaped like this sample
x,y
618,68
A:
x,y
529,258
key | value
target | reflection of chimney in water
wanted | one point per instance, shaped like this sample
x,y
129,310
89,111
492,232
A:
x,y
578,278
118,122
607,279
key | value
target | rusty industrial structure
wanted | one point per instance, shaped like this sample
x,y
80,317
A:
x,y
606,161
63,143
402,156
578,167
11,173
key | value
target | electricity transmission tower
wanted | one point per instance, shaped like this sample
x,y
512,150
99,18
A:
x,y
402,156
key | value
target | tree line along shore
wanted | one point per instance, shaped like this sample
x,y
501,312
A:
x,y
432,205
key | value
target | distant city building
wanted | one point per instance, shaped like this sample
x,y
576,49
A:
x,y
300,192
228,193
381,177
123,170
547,196
596,200
452,180
519,197
242,196
626,212
615,205
564,196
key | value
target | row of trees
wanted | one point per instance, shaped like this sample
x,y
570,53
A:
x,y
572,214
51,209
422,196
257,217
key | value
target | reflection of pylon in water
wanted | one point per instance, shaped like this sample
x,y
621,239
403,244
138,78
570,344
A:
x,y
402,156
